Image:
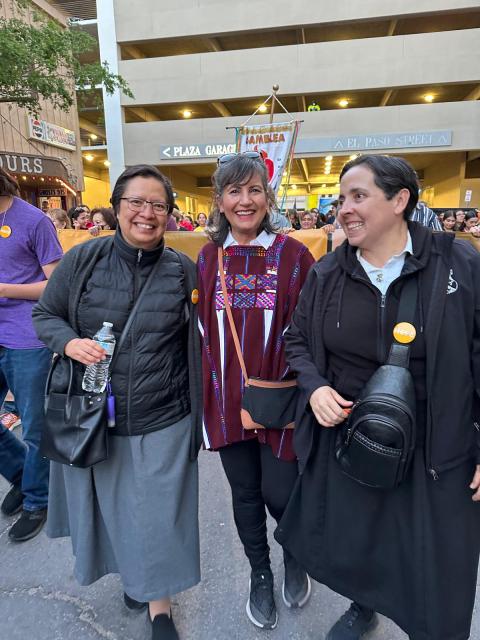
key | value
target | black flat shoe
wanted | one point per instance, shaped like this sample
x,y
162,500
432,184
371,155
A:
x,y
133,605
13,501
163,628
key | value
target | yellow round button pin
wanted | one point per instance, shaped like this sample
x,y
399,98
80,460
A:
x,y
404,332
5,231
195,296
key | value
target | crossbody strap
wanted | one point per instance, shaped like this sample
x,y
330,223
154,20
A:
x,y
400,353
228,309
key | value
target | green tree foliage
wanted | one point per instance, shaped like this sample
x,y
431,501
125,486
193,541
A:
x,y
40,59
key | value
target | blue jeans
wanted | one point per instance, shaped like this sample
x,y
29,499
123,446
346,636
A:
x,y
24,372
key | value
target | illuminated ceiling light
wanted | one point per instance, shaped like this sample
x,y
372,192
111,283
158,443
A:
x,y
293,186
429,97
24,177
42,179
92,136
329,158
328,164
327,171
89,157
285,174
353,156
343,103
262,108
106,163
324,186
186,113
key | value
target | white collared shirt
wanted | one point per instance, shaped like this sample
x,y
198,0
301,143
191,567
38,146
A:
x,y
263,239
382,277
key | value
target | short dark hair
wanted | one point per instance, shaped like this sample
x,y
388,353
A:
x,y
390,175
74,212
8,185
140,171
239,170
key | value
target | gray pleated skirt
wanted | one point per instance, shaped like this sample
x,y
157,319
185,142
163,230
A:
x,y
135,514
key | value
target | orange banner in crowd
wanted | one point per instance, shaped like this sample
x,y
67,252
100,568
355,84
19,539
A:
x,y
191,243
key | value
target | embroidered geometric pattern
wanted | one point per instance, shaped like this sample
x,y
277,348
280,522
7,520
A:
x,y
244,281
248,291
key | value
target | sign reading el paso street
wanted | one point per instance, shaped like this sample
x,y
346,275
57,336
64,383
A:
x,y
368,142
50,133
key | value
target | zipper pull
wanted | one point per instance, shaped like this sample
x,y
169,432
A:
x,y
139,255
382,301
433,473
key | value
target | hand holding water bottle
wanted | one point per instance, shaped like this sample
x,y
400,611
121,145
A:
x,y
85,351
96,374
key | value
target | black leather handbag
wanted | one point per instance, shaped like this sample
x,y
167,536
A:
x,y
376,443
266,404
75,431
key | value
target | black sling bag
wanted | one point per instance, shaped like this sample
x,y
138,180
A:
x,y
375,445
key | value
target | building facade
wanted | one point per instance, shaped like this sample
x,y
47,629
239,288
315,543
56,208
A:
x,y
379,76
42,151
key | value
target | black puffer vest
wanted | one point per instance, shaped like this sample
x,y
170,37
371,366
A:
x,y
150,378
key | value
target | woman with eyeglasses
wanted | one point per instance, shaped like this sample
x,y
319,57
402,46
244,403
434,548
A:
x,y
264,273
136,513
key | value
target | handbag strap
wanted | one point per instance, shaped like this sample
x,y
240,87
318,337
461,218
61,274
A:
x,y
228,309
134,310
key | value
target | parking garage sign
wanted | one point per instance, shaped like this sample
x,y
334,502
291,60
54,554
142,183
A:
x,y
191,151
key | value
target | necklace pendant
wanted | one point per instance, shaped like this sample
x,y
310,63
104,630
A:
x,y
5,231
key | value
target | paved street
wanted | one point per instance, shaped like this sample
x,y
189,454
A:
x,y
40,600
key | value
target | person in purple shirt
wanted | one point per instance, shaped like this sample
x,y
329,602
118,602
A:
x,y
29,251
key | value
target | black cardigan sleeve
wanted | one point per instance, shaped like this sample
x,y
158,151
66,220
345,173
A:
x,y
50,314
303,347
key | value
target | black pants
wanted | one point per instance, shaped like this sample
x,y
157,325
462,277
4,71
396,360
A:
x,y
257,479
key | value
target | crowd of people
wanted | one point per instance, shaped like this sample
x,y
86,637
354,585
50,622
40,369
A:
x,y
255,314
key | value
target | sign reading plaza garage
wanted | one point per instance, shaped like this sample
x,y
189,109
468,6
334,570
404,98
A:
x,y
196,150
368,142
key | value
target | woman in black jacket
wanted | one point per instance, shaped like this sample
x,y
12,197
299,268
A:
x,y
410,552
136,513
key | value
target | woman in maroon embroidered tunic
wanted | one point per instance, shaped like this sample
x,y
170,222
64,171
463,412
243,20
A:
x,y
264,274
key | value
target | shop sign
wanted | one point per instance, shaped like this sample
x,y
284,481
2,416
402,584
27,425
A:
x,y
188,151
21,164
468,195
50,193
32,165
50,133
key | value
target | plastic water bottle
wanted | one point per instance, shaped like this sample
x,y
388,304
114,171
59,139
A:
x,y
96,375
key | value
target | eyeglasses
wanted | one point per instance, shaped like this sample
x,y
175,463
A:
x,y
139,204
254,155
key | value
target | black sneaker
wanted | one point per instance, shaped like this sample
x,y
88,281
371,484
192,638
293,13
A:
x,y
163,628
13,501
261,608
297,587
354,624
28,525
133,604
